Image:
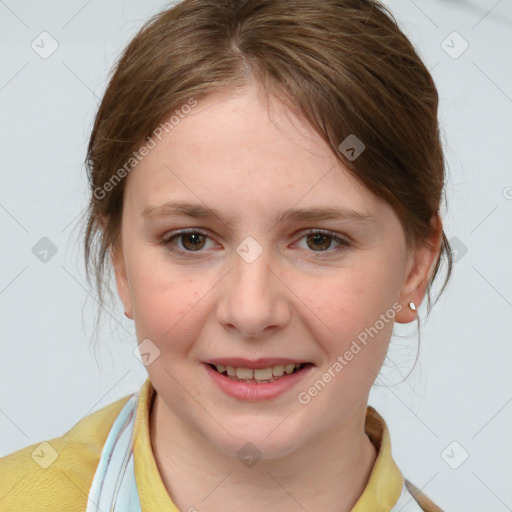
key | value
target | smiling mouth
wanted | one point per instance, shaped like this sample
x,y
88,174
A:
x,y
260,376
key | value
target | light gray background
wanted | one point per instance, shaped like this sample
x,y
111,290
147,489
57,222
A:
x,y
461,388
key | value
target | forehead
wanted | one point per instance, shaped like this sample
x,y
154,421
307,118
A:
x,y
231,148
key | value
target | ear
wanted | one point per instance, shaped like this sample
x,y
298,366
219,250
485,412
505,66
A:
x,y
419,268
123,289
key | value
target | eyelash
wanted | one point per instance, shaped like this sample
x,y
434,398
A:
x,y
167,242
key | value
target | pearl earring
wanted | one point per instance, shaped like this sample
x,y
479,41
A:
x,y
412,306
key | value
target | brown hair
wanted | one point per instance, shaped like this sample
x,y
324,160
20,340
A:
x,y
344,64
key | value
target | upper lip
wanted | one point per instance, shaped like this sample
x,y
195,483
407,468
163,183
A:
x,y
264,362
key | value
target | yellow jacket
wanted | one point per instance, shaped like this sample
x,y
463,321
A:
x,y
56,475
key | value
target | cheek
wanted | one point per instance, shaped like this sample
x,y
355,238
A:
x,y
166,302
353,318
352,298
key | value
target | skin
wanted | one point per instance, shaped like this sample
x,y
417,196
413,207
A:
x,y
233,155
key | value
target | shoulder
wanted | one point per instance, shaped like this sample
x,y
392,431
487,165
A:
x,y
45,475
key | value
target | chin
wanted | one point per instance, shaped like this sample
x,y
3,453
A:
x,y
257,445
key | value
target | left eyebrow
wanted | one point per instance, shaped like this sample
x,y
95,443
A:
x,y
323,214
174,209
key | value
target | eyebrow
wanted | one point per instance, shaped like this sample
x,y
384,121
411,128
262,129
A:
x,y
181,208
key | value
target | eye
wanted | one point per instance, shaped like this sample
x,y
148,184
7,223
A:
x,y
319,240
190,241
187,242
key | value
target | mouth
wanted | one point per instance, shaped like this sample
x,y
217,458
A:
x,y
260,375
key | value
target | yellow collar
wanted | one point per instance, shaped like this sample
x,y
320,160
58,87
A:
x,y
380,495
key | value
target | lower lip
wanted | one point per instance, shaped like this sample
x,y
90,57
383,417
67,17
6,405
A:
x,y
253,391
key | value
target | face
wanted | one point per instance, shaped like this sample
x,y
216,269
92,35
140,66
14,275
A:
x,y
253,280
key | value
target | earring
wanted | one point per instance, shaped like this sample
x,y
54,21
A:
x,y
412,306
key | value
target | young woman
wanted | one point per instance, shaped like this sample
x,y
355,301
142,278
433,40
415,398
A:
x,y
266,179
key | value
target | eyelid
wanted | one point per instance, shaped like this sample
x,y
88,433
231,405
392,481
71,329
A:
x,y
341,240
184,231
180,232
327,232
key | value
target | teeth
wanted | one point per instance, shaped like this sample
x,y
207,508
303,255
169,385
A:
x,y
289,368
278,370
244,373
261,374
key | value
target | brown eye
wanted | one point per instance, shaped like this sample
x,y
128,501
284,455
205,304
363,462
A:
x,y
187,243
192,241
319,241
324,243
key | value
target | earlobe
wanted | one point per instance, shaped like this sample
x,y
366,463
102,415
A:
x,y
123,291
419,270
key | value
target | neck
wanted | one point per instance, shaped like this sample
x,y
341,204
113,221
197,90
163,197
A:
x,y
328,473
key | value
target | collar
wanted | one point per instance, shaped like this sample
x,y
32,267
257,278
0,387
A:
x,y
380,495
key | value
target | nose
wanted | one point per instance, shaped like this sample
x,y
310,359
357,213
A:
x,y
254,299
